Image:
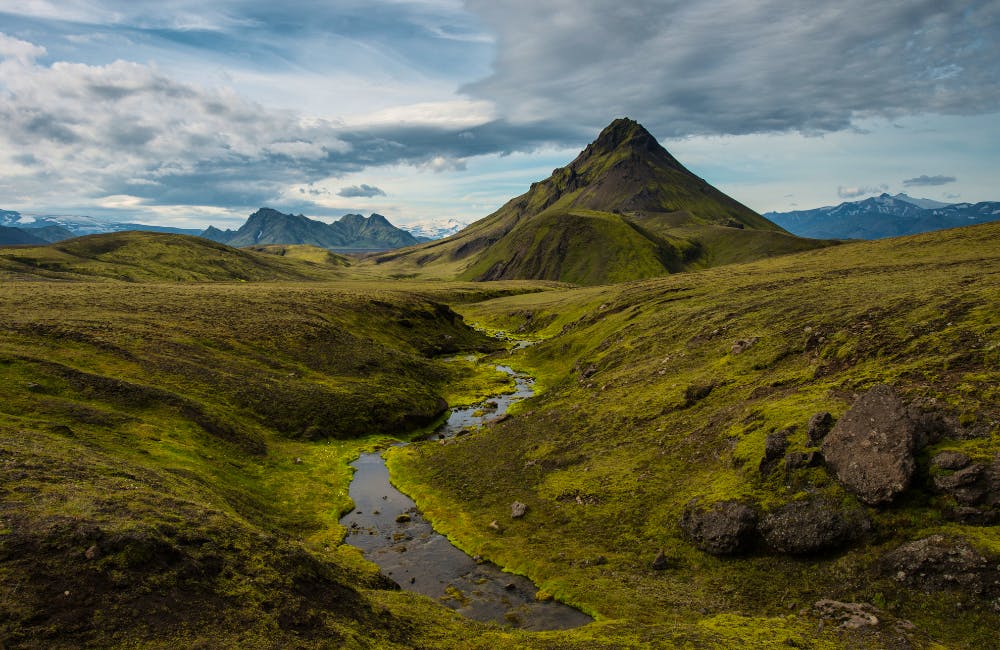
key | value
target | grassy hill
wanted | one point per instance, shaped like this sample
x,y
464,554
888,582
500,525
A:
x,y
134,256
625,209
174,455
662,392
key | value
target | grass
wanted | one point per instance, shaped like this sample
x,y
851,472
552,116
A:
x,y
610,453
174,455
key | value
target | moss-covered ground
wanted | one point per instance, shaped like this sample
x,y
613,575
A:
x,y
645,406
174,455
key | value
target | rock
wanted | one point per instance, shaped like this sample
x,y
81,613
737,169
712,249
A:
x,y
724,528
518,510
774,448
402,518
92,553
297,461
742,345
951,460
849,616
799,459
812,526
969,486
939,563
871,449
510,586
660,562
819,425
495,525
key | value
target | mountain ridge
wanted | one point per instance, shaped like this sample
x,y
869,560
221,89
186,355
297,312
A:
x,y
883,216
351,232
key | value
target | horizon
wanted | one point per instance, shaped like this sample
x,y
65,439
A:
x,y
429,110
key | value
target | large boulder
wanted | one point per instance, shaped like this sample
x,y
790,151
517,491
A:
x,y
812,526
939,563
871,449
723,528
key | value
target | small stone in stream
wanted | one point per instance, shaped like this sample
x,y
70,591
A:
x,y
661,562
403,518
510,586
518,510
384,498
412,580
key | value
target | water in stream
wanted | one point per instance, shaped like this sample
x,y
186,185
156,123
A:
x,y
386,525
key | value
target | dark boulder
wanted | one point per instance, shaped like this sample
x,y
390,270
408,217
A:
x,y
774,450
939,563
723,528
871,449
819,425
812,526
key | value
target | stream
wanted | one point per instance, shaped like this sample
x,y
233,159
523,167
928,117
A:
x,y
386,525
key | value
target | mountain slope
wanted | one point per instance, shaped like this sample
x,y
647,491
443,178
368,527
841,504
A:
x,y
18,237
884,216
623,209
148,256
352,231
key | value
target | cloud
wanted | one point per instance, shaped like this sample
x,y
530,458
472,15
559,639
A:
x,y
735,67
925,181
855,192
366,191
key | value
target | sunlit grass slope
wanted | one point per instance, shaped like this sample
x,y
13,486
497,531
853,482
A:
x,y
134,256
647,406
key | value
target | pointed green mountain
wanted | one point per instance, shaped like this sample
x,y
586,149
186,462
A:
x,y
625,209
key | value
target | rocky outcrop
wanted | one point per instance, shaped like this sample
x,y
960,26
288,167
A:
x,y
939,563
871,449
974,487
723,528
849,616
812,526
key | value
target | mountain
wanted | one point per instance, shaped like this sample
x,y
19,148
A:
x,y
883,216
17,237
350,232
432,229
53,228
134,256
624,209
927,204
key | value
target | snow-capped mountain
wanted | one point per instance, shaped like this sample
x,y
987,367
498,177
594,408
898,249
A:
x,y
882,216
434,228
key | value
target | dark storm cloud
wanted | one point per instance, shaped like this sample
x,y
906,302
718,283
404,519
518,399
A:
x,y
929,181
362,190
736,67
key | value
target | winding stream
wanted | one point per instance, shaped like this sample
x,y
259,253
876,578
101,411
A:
x,y
386,525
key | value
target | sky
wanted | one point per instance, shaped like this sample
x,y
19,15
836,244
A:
x,y
190,113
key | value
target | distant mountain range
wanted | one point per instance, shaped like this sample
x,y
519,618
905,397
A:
x,y
23,229
350,232
884,216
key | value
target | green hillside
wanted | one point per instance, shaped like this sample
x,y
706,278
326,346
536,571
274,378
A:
x,y
174,455
665,395
134,256
624,209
